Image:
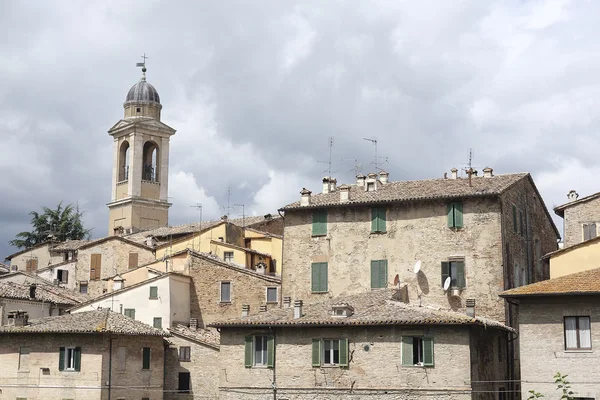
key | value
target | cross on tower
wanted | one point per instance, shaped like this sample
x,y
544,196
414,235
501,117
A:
x,y
142,64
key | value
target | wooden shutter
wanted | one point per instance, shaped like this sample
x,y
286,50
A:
x,y
65,276
407,351
460,274
316,352
383,274
521,226
319,277
248,352
450,212
77,358
323,277
375,274
592,229
31,265
374,219
586,232
319,225
382,220
445,271
28,262
133,260
61,359
34,264
428,351
153,292
458,215
96,266
343,352
270,351
314,284
514,210
146,358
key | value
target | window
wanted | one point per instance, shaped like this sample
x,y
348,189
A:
x,y
153,292
319,277
69,359
157,322
24,359
146,358
95,267
271,295
577,333
62,275
184,382
129,312
122,358
31,265
83,288
225,292
138,109
514,215
319,223
417,351
521,223
379,275
228,256
185,353
378,220
589,231
133,260
259,351
370,186
455,215
329,352
456,271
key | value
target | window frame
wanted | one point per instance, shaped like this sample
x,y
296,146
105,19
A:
x,y
189,382
271,288
423,340
153,296
319,223
264,351
221,292
332,352
591,234
378,220
250,351
129,311
185,353
578,332
69,359
377,267
84,285
461,276
323,272
154,322
146,359
228,256
318,352
455,215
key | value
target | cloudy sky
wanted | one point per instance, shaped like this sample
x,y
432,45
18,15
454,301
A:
x,y
255,89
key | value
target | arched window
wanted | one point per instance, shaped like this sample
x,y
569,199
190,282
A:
x,y
150,162
124,161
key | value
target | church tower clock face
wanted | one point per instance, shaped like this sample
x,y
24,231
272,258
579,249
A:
x,y
140,178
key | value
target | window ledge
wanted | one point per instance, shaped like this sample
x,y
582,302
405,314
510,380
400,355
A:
x,y
225,302
260,367
378,232
320,235
272,302
152,298
331,366
579,351
319,292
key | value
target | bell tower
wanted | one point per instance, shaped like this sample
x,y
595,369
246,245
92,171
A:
x,y
139,199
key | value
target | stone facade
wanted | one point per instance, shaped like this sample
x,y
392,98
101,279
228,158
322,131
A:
x,y
247,287
35,375
542,340
375,364
41,254
576,215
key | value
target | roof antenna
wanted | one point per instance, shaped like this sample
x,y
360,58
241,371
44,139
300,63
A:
x,y
357,165
199,207
376,159
143,65
330,144
469,170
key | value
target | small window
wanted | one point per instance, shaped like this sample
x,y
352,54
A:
x,y
24,359
259,351
157,322
271,295
83,288
379,274
129,312
185,353
69,359
378,220
225,292
228,256
456,271
319,223
138,109
370,186
146,358
455,215
153,292
330,352
62,275
577,333
183,385
417,351
319,277
589,231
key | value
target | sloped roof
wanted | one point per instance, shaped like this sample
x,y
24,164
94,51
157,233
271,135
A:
x,y
97,321
217,261
427,189
560,210
379,307
244,249
573,247
208,337
37,246
70,245
45,293
580,283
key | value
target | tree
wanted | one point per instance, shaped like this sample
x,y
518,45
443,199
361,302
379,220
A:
x,y
60,224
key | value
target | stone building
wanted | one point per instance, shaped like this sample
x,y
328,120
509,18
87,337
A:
x,y
93,355
559,331
581,218
486,233
368,345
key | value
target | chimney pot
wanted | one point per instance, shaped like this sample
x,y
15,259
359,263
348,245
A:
x,y
245,310
383,177
360,180
305,200
488,172
572,195
326,180
297,309
470,307
344,193
454,172
193,323
332,184
287,302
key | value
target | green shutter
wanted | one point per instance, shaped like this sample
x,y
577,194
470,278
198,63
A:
x,y
450,212
460,275
382,220
319,277
458,215
375,274
521,226
407,351
77,358
374,219
314,282
445,271
514,209
270,351
61,359
316,352
146,358
248,352
343,352
428,351
319,222
153,292
323,277
383,274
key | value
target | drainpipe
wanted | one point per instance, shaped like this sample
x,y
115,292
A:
x,y
274,383
281,266
109,366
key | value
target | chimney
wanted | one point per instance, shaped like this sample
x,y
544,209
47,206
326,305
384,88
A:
x,y
118,283
572,195
332,184
150,241
297,309
245,310
193,324
488,172
305,200
287,302
262,308
344,193
454,172
32,291
21,318
326,184
471,308
474,172
383,176
360,180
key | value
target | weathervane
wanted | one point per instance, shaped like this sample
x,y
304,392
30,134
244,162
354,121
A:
x,y
143,65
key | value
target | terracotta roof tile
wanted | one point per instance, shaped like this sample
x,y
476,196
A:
x,y
580,283
207,336
46,293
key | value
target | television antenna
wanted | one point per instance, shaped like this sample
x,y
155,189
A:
x,y
357,165
199,207
228,208
330,144
243,214
375,161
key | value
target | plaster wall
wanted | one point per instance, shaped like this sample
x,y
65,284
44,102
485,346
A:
x,y
42,254
577,215
194,242
582,258
52,273
35,309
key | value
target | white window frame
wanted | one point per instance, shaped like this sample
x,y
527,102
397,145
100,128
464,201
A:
x,y
578,332
221,291
226,257
263,352
331,352
276,294
419,348
69,358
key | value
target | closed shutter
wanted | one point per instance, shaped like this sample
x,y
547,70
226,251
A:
x,y
65,276
450,212
460,274
521,225
374,274
319,277
378,220
316,352
458,215
592,231
77,358
61,359
153,292
31,265
133,260
586,232
130,312
319,225
270,351
514,210
383,274
248,352
445,271
343,352
407,351
96,266
428,351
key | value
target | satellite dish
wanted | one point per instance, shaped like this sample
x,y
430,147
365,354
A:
x,y
396,280
417,267
447,284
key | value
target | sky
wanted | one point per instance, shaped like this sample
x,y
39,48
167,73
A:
x,y
256,90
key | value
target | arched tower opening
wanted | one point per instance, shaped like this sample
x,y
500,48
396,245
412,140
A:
x,y
150,162
124,161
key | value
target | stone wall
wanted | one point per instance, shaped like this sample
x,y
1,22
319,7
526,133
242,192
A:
x,y
375,368
42,254
247,287
36,376
543,354
577,215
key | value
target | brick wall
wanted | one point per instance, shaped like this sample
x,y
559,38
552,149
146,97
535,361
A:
x,y
577,215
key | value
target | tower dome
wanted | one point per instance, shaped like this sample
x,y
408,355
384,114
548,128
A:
x,y
142,100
